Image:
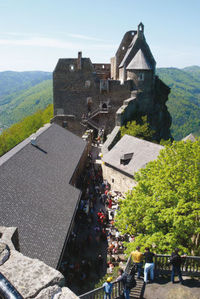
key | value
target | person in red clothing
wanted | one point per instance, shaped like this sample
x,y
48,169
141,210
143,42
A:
x,y
110,203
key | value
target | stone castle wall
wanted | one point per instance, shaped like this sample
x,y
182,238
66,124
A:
x,y
78,92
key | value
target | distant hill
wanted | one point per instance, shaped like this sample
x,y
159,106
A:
x,y
184,99
193,70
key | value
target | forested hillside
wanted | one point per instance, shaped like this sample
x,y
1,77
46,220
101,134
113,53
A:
x,y
22,130
14,82
184,99
23,93
26,103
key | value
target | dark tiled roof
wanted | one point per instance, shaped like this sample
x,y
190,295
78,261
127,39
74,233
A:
x,y
139,62
35,194
143,152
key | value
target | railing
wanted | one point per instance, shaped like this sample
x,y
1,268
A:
x,y
7,290
93,124
117,287
95,112
99,293
190,265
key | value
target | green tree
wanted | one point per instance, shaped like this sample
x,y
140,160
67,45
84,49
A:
x,y
163,210
141,130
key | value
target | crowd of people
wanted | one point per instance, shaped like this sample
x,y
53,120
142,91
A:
x,y
95,246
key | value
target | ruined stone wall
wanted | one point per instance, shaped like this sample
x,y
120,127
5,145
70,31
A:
x,y
116,179
76,93
121,53
143,79
113,68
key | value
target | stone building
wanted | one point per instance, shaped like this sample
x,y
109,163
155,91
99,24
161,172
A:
x,y
39,194
128,156
101,96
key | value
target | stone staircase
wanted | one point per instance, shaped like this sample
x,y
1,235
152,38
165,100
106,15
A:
x,y
137,292
89,120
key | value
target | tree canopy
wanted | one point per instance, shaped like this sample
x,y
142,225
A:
x,y
163,210
140,129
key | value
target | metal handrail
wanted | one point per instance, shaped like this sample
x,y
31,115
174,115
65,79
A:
x,y
7,290
117,287
190,266
99,292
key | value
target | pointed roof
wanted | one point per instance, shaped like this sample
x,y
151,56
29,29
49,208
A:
x,y
139,62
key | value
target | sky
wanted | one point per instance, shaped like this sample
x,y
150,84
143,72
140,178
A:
x,y
34,34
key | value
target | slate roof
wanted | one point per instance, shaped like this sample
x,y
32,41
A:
x,y
139,62
35,194
143,152
137,44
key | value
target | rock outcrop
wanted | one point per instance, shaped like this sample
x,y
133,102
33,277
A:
x,y
30,277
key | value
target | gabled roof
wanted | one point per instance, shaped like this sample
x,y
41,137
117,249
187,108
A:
x,y
139,62
138,43
143,152
35,193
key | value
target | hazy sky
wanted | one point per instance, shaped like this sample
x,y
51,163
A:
x,y
35,33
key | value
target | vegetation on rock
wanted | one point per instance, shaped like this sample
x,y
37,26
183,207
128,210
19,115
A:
x,y
139,129
163,210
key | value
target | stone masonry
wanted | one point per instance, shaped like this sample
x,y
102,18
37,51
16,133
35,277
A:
x,y
30,277
101,96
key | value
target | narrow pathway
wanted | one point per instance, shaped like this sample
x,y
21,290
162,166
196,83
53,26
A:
x,y
138,291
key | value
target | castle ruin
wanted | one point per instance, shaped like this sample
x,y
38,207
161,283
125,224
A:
x,y
102,96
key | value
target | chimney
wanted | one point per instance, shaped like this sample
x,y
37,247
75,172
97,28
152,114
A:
x,y
140,30
79,62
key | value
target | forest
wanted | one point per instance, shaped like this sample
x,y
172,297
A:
x,y
184,99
